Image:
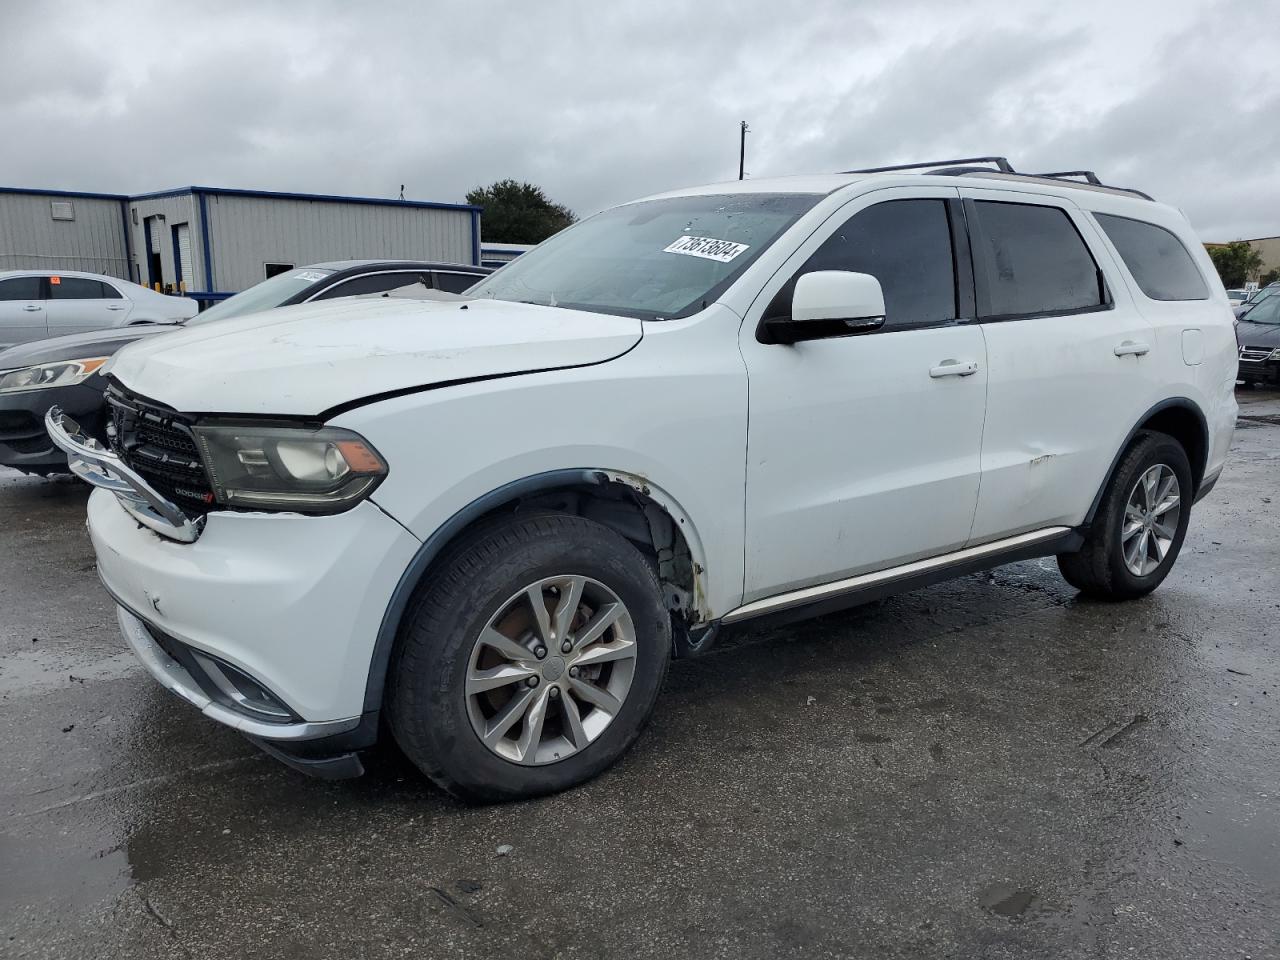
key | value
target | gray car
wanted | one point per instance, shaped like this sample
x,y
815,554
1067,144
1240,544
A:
x,y
63,371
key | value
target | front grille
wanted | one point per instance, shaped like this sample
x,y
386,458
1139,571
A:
x,y
158,443
1255,353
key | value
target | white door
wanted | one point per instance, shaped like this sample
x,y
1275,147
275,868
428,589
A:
x,y
1069,357
22,311
80,304
182,239
863,450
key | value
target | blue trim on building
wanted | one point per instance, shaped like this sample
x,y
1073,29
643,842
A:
x,y
475,235
146,240
177,258
204,241
36,191
128,238
320,197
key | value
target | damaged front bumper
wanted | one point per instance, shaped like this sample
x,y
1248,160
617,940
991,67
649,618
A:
x,y
96,465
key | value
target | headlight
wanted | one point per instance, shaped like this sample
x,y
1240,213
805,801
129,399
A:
x,y
1275,354
59,373
317,470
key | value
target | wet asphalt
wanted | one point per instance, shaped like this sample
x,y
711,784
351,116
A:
x,y
987,768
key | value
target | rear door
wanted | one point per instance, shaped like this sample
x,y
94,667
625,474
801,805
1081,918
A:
x,y
1069,358
81,304
22,310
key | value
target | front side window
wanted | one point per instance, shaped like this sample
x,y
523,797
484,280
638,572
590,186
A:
x,y
1031,261
906,245
375,283
1159,262
657,259
21,288
75,288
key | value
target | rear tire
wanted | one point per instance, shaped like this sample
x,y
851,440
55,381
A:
x,y
474,654
1141,522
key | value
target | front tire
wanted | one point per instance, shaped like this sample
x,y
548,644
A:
x,y
531,660
1141,522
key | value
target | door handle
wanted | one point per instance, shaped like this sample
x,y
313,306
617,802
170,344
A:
x,y
114,306
32,308
1131,348
954,368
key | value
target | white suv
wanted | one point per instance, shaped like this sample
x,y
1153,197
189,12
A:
x,y
490,521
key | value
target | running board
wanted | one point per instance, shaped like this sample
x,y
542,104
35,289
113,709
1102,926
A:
x,y
826,597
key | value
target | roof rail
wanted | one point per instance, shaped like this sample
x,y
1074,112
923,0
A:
x,y
1088,175
1004,165
962,168
1092,179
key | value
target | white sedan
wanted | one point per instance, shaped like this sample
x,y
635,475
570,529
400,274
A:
x,y
35,304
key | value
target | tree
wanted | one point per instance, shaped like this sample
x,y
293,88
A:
x,y
1236,262
1271,276
519,212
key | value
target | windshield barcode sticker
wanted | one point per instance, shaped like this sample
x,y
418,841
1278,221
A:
x,y
707,248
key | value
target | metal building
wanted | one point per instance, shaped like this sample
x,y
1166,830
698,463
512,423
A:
x,y
64,230
496,254
210,242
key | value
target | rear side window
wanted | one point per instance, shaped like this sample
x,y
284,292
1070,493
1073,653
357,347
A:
x,y
456,282
79,288
21,288
1156,257
373,283
1031,261
906,245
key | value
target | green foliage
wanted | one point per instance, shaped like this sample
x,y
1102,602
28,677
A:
x,y
1236,262
1271,276
518,212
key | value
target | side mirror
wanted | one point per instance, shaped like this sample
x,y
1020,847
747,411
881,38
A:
x,y
829,303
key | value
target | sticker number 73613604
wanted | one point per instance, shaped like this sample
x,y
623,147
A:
x,y
708,248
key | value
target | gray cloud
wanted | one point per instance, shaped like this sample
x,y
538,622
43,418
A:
x,y
600,103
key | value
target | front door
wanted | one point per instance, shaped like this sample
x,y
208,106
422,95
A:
x,y
80,304
1070,359
22,313
863,450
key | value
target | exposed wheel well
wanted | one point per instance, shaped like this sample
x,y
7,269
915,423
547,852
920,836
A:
x,y
624,504
1184,425
630,512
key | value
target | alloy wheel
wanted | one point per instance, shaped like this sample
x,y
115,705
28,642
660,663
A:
x,y
1151,517
551,670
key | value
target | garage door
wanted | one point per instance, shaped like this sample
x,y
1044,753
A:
x,y
182,240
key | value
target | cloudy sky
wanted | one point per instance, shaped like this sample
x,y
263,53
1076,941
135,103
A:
x,y
601,102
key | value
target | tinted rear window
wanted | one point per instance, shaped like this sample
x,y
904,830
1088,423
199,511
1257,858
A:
x,y
1031,260
77,288
1157,259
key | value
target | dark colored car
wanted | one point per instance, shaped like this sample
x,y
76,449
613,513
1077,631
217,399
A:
x,y
63,371
1265,293
1258,334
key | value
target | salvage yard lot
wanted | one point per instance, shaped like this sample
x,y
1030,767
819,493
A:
x,y
986,768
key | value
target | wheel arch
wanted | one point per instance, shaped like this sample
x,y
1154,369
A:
x,y
625,502
1180,418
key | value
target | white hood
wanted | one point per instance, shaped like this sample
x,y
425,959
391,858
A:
x,y
303,360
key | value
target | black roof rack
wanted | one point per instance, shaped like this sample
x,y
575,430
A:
x,y
964,167
1004,165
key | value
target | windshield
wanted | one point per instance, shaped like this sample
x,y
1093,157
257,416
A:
x,y
653,260
1264,311
1264,296
264,295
